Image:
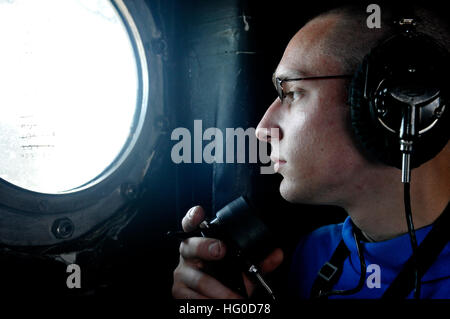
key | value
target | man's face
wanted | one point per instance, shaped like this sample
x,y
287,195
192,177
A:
x,y
314,152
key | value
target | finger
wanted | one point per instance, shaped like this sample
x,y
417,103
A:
x,y
193,218
183,292
203,284
194,263
249,284
271,262
202,248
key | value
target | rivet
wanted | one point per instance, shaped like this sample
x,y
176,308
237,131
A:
x,y
63,228
129,191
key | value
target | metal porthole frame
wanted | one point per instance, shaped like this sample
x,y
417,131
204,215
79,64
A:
x,y
35,219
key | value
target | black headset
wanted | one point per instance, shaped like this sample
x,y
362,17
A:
x,y
402,80
399,108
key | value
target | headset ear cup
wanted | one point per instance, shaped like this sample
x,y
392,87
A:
x,y
372,145
378,144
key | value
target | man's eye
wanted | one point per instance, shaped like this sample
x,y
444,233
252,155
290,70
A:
x,y
294,95
297,94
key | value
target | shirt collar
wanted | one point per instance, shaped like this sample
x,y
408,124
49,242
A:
x,y
392,253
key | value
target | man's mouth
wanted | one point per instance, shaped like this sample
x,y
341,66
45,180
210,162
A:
x,y
278,163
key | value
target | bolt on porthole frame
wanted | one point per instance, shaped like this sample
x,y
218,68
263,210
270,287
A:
x,y
30,218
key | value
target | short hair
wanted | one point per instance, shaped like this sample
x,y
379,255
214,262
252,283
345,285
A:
x,y
351,39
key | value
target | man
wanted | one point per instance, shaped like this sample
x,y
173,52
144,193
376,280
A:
x,y
320,163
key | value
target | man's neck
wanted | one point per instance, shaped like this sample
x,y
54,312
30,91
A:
x,y
379,211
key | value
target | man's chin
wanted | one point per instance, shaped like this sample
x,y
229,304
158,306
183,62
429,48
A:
x,y
293,194
286,191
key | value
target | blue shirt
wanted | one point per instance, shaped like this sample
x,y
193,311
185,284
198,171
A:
x,y
390,255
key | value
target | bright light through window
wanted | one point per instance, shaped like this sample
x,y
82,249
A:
x,y
68,91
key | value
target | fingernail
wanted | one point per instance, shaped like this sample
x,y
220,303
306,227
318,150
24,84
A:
x,y
214,249
190,212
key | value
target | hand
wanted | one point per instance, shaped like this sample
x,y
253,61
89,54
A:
x,y
189,280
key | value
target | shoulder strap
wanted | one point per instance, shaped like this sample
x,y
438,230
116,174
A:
x,y
427,253
330,272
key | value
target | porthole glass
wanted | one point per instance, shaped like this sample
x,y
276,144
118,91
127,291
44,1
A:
x,y
68,92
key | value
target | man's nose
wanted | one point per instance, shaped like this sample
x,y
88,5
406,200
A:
x,y
268,128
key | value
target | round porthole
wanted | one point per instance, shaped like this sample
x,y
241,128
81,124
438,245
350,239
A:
x,y
69,92
75,116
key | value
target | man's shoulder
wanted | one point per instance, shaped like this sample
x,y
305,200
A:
x,y
317,247
311,253
325,236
